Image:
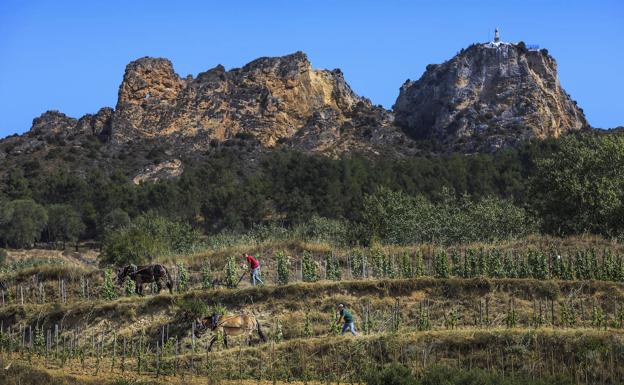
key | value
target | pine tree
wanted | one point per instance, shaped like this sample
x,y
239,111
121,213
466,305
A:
x,y
283,271
108,288
440,265
308,268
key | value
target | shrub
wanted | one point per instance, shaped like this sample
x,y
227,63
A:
x,y
131,245
129,286
395,217
193,308
147,237
231,273
108,287
206,277
308,268
283,273
183,277
332,268
392,374
440,265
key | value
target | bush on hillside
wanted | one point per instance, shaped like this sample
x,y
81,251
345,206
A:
x,y
392,374
149,236
64,224
21,223
397,218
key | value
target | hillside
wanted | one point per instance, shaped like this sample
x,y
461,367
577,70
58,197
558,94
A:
x,y
488,97
521,327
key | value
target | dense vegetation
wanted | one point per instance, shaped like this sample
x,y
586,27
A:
x,y
568,186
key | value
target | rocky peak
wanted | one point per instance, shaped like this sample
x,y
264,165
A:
x,y
270,98
52,122
488,96
98,124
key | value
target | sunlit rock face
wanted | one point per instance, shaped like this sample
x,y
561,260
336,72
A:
x,y
488,96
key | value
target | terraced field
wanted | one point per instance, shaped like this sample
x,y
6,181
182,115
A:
x,y
531,328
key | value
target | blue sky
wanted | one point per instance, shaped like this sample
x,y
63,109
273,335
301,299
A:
x,y
70,55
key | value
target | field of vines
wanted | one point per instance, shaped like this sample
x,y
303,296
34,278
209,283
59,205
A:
x,y
535,313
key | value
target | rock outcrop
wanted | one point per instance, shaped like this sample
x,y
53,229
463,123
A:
x,y
489,96
53,122
271,99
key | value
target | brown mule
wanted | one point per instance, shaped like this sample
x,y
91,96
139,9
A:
x,y
232,325
146,274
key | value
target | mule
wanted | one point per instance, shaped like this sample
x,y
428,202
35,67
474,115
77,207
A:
x,y
146,274
232,325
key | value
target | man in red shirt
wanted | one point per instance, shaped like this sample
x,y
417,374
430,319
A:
x,y
254,266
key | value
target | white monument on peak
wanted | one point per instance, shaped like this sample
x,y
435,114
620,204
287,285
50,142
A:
x,y
496,36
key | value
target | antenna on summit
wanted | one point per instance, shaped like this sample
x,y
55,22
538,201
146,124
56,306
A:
x,y
496,35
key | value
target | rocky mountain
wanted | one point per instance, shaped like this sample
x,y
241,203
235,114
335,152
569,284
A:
x,y
278,99
489,96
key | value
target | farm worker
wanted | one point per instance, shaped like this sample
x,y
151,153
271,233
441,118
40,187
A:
x,y
254,267
345,314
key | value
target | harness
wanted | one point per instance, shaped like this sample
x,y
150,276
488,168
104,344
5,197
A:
x,y
137,271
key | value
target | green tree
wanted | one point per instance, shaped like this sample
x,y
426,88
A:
x,y
131,245
580,187
22,222
114,220
64,224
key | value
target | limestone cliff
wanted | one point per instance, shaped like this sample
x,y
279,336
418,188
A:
x,y
271,99
489,96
